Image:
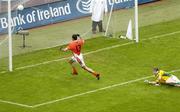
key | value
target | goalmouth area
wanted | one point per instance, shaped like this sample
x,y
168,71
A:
x,y
41,80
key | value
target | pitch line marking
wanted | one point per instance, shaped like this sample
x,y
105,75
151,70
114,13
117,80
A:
x,y
15,103
89,92
91,52
80,94
97,90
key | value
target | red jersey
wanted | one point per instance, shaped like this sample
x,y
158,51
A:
x,y
75,46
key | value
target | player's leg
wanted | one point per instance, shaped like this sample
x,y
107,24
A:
x,y
152,82
80,60
173,80
91,71
176,80
100,25
177,85
71,62
94,25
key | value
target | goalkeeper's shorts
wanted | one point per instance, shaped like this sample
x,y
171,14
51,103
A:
x,y
173,80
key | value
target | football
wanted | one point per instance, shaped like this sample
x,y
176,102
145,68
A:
x,y
20,7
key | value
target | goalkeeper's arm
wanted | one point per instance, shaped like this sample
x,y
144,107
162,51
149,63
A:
x,y
152,82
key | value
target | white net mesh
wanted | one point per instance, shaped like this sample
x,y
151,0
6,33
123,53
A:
x,y
50,23
119,20
42,24
3,38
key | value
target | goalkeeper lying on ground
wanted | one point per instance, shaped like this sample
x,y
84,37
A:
x,y
164,78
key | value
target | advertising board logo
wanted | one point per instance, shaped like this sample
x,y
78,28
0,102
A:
x,y
83,6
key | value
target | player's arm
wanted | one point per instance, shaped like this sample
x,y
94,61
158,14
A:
x,y
152,82
68,47
65,49
79,37
106,7
158,79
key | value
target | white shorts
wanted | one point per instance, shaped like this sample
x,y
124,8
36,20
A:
x,y
79,59
173,80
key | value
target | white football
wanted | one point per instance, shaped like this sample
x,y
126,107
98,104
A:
x,y
20,7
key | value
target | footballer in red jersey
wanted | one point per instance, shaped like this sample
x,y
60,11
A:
x,y
75,46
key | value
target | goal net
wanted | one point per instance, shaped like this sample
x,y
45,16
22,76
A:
x,y
122,21
3,38
38,25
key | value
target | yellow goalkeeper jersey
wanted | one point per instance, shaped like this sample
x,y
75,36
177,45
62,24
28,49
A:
x,y
162,76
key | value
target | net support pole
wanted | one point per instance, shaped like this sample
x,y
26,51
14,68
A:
x,y
10,36
136,21
109,19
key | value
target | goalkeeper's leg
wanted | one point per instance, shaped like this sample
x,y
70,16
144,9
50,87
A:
x,y
173,80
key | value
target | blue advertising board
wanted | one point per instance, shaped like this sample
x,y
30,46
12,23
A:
x,y
55,12
145,1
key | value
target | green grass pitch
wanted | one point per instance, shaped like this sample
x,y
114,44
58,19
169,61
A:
x,y
48,86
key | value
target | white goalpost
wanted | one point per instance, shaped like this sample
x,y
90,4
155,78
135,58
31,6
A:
x,y
10,53
109,19
10,36
16,14
136,21
115,26
122,21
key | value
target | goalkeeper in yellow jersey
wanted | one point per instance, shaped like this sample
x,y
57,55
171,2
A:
x,y
163,77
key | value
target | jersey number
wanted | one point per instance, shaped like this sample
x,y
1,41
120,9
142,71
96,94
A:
x,y
78,48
